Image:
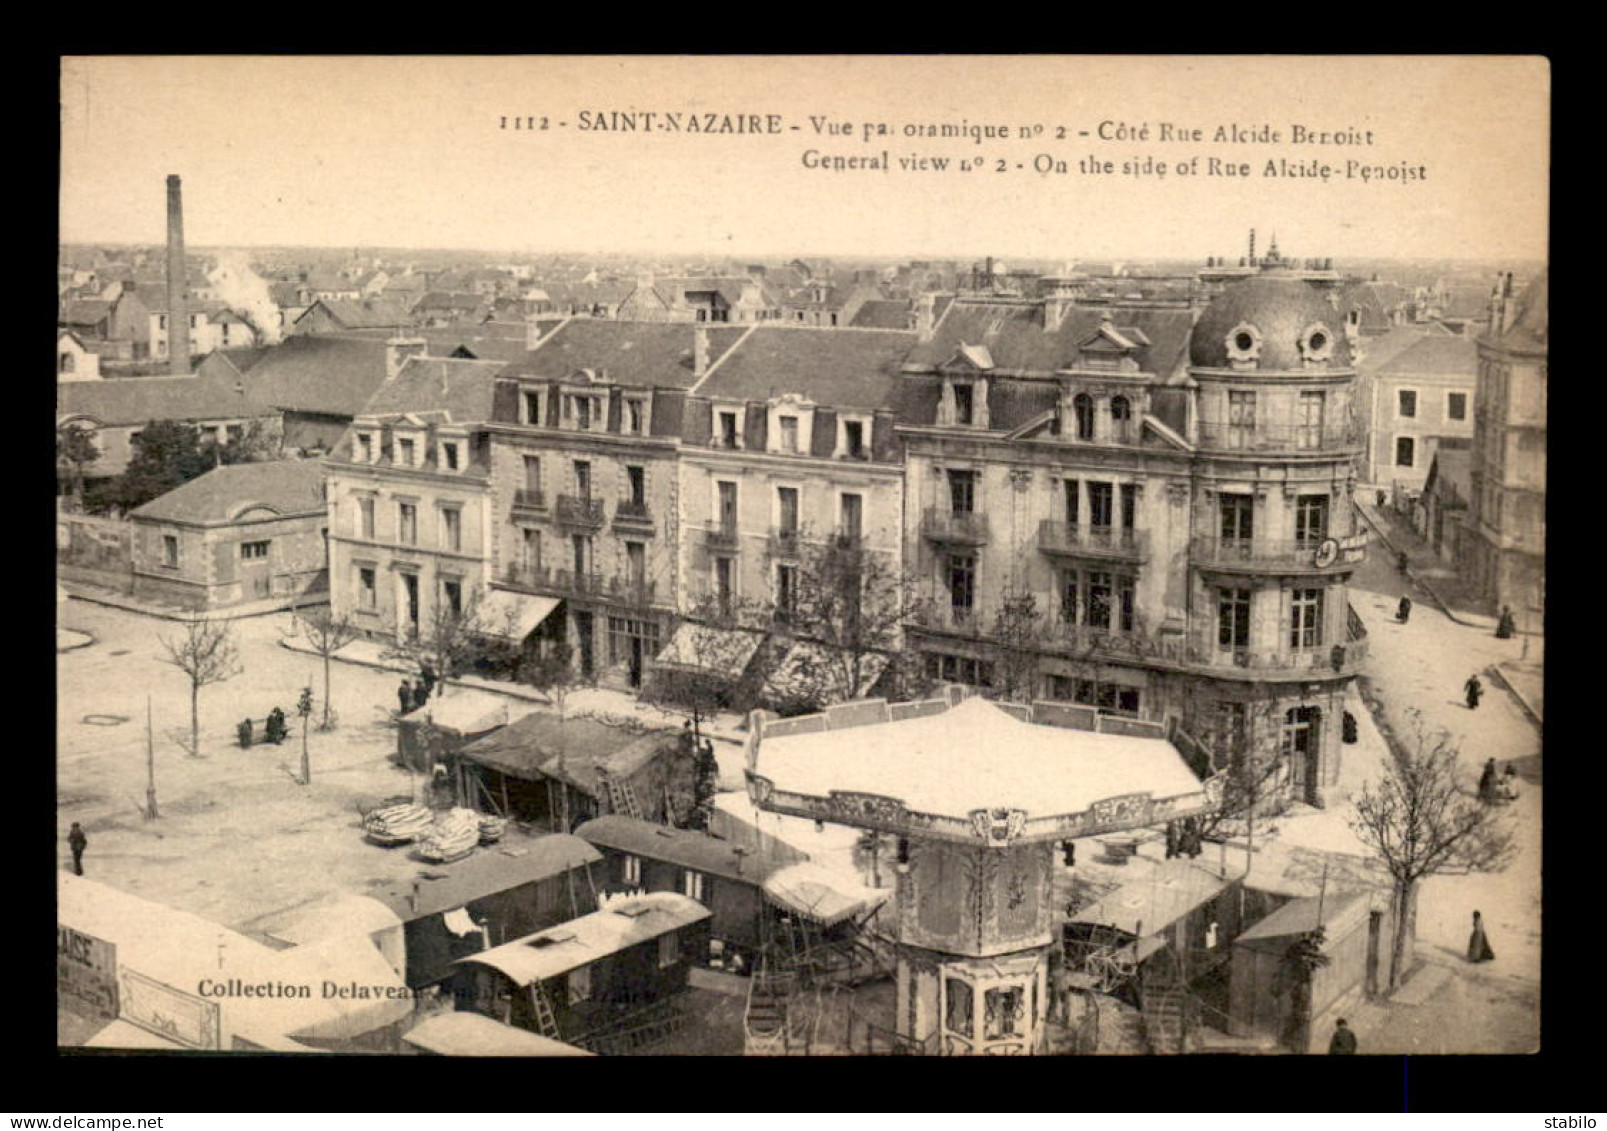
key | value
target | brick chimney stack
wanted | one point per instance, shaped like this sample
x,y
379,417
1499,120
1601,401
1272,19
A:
x,y
925,316
178,312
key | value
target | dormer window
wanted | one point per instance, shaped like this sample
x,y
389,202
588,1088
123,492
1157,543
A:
x,y
635,421
1082,410
532,407
449,455
789,433
365,448
964,404
404,451
729,431
1316,344
1243,345
1121,416
584,412
853,437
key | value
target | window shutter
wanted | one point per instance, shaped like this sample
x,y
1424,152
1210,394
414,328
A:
x,y
824,440
754,426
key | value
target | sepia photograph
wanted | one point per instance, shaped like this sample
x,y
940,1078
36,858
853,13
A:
x,y
818,556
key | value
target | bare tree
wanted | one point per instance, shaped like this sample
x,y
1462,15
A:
x,y
206,653
328,633
1017,635
848,606
1420,820
450,639
722,656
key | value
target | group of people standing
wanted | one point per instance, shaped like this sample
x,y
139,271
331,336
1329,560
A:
x,y
1496,788
414,693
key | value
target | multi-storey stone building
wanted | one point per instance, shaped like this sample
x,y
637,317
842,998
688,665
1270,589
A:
x,y
409,499
1166,534
584,481
789,444
1507,511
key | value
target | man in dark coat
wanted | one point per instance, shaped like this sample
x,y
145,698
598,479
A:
x,y
1487,782
1344,1041
404,696
426,684
1403,612
77,841
1475,691
1506,626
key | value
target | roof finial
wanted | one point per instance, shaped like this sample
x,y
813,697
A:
x,y
1272,248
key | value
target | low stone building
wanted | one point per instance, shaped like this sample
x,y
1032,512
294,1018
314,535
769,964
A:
x,y
239,534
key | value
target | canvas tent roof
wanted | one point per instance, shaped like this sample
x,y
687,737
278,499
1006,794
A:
x,y
1156,901
343,962
719,651
570,750
1300,916
580,942
807,667
514,616
975,755
474,1034
468,711
340,917
820,894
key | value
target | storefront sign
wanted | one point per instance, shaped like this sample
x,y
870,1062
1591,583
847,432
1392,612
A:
x,y
170,1013
86,974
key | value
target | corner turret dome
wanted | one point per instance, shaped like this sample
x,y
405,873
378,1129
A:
x,y
1270,323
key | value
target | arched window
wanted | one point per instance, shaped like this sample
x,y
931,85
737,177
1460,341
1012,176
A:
x,y
1121,414
1082,405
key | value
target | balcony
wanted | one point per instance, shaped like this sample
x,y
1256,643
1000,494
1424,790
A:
x,y
720,536
1339,436
530,499
1267,555
634,515
559,582
632,590
785,542
1070,540
964,528
580,510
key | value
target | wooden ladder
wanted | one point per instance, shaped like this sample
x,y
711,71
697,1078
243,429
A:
x,y
1163,1020
621,795
545,1021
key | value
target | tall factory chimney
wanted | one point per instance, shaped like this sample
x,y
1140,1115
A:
x,y
178,311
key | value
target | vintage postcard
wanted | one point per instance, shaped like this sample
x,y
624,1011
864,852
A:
x,y
938,555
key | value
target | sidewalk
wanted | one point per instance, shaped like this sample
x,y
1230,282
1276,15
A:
x,y
1425,568
86,591
598,702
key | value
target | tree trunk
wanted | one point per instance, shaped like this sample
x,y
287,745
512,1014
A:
x,y
306,761
195,719
1404,909
326,689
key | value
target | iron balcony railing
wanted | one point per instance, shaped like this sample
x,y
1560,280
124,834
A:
x,y
1326,437
940,524
1076,540
1316,555
580,510
636,590
629,512
720,535
785,541
530,499
558,581
1051,633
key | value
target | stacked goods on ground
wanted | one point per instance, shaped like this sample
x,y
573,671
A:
x,y
491,829
397,824
455,834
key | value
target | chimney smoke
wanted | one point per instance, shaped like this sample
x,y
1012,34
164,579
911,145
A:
x,y
178,313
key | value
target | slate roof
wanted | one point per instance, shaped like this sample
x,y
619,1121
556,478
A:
x,y
288,486
636,354
1280,307
688,848
85,312
140,400
461,301
1014,335
375,313
323,373
459,387
1530,325
1450,474
883,314
490,873
837,368
1437,354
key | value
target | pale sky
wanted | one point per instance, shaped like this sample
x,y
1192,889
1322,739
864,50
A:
x,y
407,152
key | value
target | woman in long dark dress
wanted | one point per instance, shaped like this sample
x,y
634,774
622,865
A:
x,y
1479,946
1475,691
1487,782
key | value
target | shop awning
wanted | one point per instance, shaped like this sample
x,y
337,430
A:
x,y
474,1034
819,894
812,671
513,616
704,648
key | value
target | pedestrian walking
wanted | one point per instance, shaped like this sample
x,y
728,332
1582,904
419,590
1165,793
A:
x,y
1379,498
1475,691
1506,626
1171,839
1343,1042
1403,611
1487,783
404,696
1478,945
77,841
